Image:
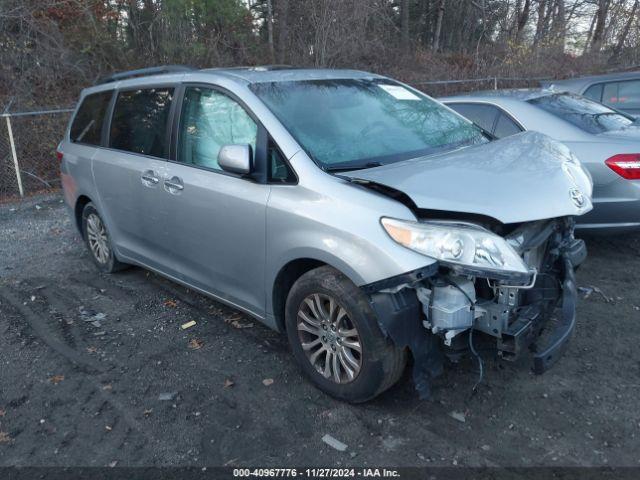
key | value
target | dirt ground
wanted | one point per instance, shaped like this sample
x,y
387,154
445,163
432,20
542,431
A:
x,y
95,371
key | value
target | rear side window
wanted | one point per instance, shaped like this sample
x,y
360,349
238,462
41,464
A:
x,y
506,127
139,123
88,122
594,92
482,115
628,95
622,95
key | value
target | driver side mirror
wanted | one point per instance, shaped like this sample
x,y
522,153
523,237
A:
x,y
235,159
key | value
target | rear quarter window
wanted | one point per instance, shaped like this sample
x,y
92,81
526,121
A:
x,y
87,124
480,114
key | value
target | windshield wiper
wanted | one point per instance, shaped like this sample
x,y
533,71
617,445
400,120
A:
x,y
346,168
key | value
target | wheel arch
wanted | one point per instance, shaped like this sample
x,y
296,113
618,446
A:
x,y
81,202
294,269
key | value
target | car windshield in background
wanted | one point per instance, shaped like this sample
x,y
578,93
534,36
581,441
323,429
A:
x,y
590,116
357,123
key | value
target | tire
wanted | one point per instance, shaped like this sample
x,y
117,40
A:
x,y
98,241
324,297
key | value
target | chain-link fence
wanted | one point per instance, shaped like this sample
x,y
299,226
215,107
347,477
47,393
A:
x,y
28,142
441,88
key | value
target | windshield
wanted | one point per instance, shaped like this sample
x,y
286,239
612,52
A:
x,y
360,123
590,116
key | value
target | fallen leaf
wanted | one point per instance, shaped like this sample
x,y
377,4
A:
x,y
56,379
170,303
190,324
334,443
228,383
113,464
92,349
108,428
148,412
237,324
107,387
195,344
267,381
458,416
4,437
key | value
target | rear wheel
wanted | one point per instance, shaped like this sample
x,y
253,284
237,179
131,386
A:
x,y
335,337
98,241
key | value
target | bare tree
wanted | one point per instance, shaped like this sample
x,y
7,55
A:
x,y
436,35
601,22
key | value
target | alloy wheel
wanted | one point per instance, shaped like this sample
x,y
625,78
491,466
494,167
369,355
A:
x,y
329,338
98,239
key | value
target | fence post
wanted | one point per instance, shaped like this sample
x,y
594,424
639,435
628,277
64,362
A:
x,y
14,155
495,83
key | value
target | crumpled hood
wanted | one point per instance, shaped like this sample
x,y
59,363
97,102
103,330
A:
x,y
525,177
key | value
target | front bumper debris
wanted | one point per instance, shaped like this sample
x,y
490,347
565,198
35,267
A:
x,y
545,356
539,321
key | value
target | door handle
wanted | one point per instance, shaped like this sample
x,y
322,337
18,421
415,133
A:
x,y
173,185
149,178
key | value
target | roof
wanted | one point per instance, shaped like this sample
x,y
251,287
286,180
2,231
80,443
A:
x,y
518,94
283,74
258,74
583,82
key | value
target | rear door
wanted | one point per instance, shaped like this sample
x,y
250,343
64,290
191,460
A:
x,y
216,220
128,175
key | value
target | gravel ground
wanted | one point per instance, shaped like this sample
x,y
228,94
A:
x,y
92,393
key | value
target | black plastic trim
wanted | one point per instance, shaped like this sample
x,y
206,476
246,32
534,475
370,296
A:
x,y
409,277
543,360
144,72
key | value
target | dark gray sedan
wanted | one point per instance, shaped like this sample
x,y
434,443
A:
x,y
605,140
617,90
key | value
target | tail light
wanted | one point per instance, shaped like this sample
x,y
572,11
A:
x,y
627,165
59,155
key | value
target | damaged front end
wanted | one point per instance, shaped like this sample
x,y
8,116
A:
x,y
446,309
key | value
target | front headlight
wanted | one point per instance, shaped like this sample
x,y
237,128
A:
x,y
458,245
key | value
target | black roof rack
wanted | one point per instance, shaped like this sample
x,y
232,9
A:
x,y
254,67
142,72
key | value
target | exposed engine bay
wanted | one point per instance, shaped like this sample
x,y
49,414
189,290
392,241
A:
x,y
461,308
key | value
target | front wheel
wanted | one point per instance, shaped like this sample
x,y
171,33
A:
x,y
336,340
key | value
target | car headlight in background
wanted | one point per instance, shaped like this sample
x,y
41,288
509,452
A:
x,y
458,245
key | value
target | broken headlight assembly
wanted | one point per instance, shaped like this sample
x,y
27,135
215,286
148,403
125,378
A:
x,y
466,248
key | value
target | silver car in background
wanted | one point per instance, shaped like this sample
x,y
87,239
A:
x,y
606,141
355,214
617,90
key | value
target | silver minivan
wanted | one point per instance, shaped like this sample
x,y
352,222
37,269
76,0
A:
x,y
367,221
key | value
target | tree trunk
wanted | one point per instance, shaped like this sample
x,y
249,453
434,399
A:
x,y
272,56
589,34
522,17
560,25
601,22
540,24
282,24
625,31
436,35
404,24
